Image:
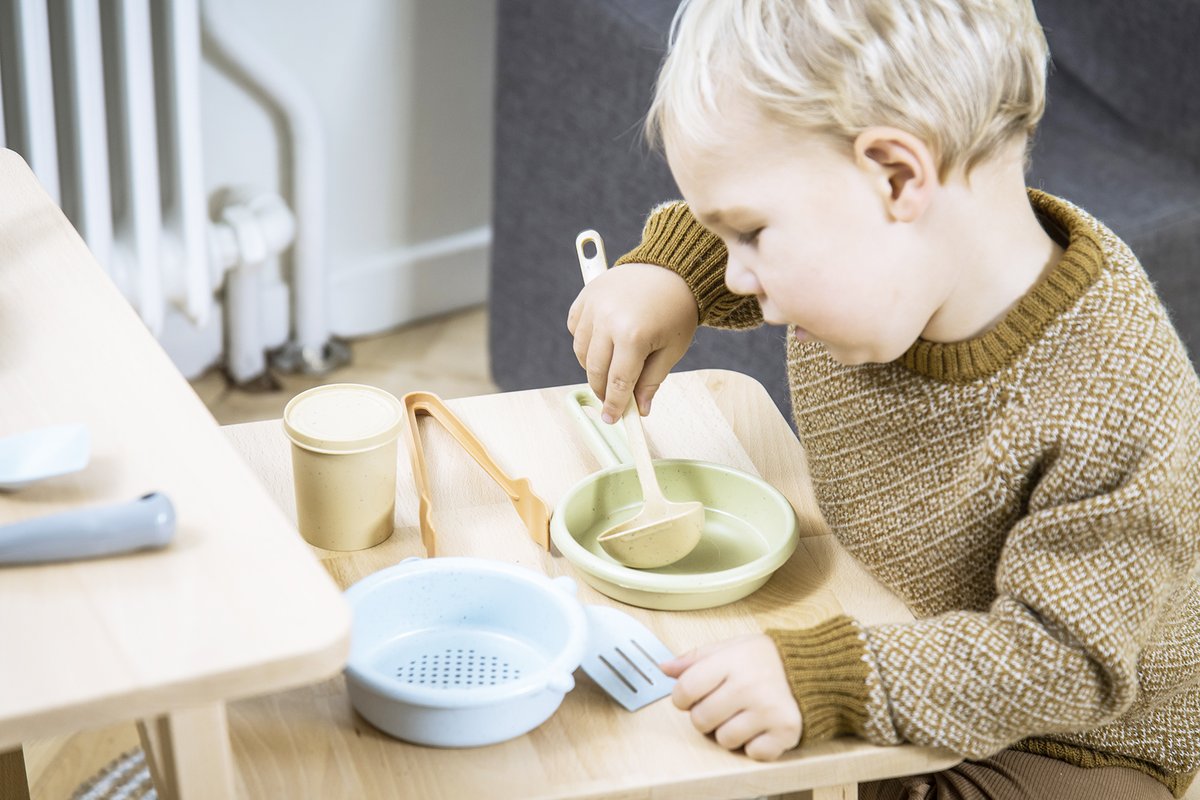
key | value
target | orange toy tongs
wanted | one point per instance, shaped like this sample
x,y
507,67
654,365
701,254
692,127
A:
x,y
532,509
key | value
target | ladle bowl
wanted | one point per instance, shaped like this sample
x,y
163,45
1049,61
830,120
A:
x,y
663,531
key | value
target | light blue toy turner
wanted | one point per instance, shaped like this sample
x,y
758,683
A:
x,y
622,656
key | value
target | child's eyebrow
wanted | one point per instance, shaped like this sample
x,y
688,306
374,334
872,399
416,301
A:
x,y
722,215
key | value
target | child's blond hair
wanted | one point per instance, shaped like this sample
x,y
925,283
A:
x,y
964,76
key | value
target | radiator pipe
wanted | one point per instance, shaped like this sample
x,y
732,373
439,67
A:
x,y
311,348
249,229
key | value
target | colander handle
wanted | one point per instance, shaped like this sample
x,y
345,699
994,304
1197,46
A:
x,y
561,682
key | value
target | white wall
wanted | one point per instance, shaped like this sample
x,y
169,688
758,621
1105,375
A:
x,y
405,93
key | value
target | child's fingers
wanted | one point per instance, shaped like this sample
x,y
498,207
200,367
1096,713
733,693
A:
x,y
583,339
598,363
736,730
755,734
716,708
574,313
675,667
654,372
770,745
699,678
623,373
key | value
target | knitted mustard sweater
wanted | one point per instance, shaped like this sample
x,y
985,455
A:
x,y
1033,494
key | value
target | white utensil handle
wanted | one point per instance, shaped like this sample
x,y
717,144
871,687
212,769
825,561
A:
x,y
594,265
652,496
146,522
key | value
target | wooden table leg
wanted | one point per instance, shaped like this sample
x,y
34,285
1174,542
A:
x,y
14,782
188,754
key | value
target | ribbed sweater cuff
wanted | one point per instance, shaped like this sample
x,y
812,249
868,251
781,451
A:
x,y
827,669
672,238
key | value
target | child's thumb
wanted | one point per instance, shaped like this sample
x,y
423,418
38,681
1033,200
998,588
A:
x,y
676,666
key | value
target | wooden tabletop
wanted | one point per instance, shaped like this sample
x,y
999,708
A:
x,y
235,606
309,742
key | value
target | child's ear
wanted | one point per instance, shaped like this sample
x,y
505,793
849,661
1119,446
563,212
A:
x,y
902,168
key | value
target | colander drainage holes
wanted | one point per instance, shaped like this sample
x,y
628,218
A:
x,y
457,668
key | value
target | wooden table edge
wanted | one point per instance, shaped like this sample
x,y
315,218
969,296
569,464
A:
x,y
301,669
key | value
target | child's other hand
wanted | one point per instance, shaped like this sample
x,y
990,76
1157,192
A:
x,y
631,325
738,691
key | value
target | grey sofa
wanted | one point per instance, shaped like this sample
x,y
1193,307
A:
x,y
1121,137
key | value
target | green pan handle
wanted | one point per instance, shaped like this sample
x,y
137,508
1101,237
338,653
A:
x,y
607,442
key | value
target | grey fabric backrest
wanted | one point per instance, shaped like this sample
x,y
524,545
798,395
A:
x,y
1121,134
1142,60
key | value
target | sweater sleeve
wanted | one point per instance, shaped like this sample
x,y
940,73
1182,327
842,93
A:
x,y
674,239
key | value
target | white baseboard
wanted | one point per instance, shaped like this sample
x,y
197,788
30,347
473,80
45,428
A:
x,y
378,295
410,283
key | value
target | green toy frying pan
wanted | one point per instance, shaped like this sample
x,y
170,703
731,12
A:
x,y
750,528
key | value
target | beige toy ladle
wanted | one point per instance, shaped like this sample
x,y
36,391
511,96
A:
x,y
663,531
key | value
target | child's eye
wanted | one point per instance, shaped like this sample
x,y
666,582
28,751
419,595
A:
x,y
749,238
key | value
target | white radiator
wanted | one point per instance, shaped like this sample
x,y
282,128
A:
x,y
101,97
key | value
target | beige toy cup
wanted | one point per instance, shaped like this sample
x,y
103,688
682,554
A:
x,y
344,463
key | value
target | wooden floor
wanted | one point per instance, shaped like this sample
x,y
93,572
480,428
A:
x,y
446,355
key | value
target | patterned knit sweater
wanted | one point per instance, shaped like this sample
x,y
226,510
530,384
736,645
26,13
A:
x,y
1033,495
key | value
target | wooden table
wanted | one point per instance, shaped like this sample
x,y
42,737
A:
x,y
235,606
308,743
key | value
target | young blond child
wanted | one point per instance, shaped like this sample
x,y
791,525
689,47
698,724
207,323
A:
x,y
1000,421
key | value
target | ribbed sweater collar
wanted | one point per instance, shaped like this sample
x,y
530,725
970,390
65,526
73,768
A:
x,y
1055,293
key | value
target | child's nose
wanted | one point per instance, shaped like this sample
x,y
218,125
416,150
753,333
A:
x,y
739,278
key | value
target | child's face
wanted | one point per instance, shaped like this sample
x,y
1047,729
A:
x,y
810,235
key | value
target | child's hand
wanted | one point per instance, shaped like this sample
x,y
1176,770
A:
x,y
631,324
737,690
